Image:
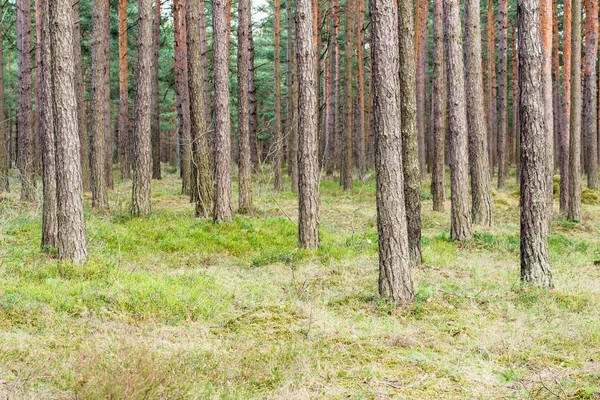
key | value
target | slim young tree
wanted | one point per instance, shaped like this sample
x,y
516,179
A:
x,y
255,153
4,143
82,122
142,152
421,50
155,126
278,134
534,215
546,36
348,163
491,86
481,194
72,241
440,100
591,93
124,140
245,162
460,212
564,141
574,213
502,89
308,163
292,112
395,275
360,122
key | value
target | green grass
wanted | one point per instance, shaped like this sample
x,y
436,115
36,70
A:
x,y
170,306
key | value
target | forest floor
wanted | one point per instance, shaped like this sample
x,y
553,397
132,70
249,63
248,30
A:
x,y
170,306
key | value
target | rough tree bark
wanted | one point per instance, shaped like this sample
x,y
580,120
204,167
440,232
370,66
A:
x,y
142,151
347,162
566,109
502,90
421,55
534,214
155,126
395,275
332,110
360,122
515,93
222,208
481,187
574,213
440,101
4,136
292,112
546,36
278,133
409,131
124,147
308,163
106,104
245,162
460,211
491,86
591,93
72,241
252,99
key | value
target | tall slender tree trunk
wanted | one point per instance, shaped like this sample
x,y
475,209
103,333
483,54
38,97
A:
x,y
124,140
278,133
574,213
440,101
26,158
82,122
478,157
292,116
245,162
47,142
5,142
108,139
252,99
566,109
591,92
337,137
156,172
546,35
532,114
348,163
360,122
502,89
491,89
332,111
308,163
460,213
409,131
421,49
72,241
395,275
556,112
222,208
142,149
515,93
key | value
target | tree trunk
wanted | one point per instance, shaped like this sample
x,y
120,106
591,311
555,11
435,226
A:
x,y
460,211
481,187
440,102
142,151
4,132
108,139
421,49
99,66
534,214
71,244
183,106
245,162
156,172
308,163
348,164
515,94
84,139
292,117
252,99
546,36
46,131
278,134
332,110
409,131
395,275
591,93
502,89
555,88
574,213
26,160
491,89
124,140
565,128
222,209
360,122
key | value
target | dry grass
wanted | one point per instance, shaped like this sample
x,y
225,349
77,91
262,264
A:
x,y
173,307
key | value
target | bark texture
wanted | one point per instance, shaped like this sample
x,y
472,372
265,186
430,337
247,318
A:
x,y
546,36
278,134
534,214
460,212
591,93
124,139
574,213
348,163
440,101
395,275
4,136
502,89
421,49
155,126
245,162
565,129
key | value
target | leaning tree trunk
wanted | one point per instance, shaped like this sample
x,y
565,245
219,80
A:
x,y
155,126
26,160
278,133
4,143
439,99
124,147
481,188
395,275
47,142
534,214
71,244
460,211
142,151
574,213
245,162
222,207
566,110
348,163
308,163
409,131
502,89
591,93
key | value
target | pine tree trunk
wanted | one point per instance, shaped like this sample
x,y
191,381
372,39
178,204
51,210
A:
x,y
491,89
308,163
360,122
348,163
99,65
245,162
574,213
222,208
421,59
565,128
72,239
331,125
546,35
478,157
4,129
47,142
124,140
108,140
395,275
556,112
515,94
409,131
252,99
502,89
534,214
292,116
155,127
440,102
460,213
142,149
183,107
278,133
591,93
26,159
